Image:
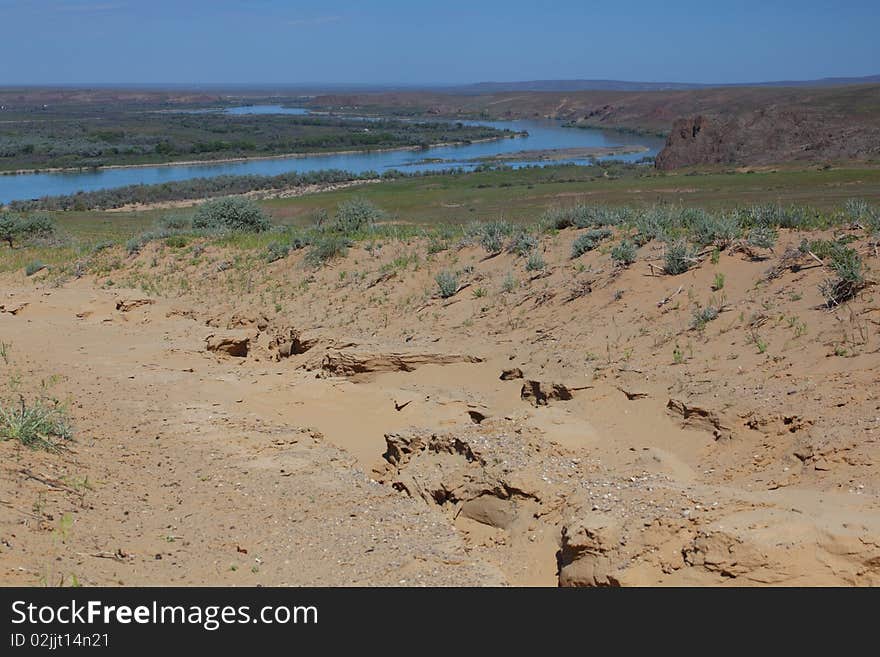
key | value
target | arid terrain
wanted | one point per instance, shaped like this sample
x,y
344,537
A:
x,y
240,422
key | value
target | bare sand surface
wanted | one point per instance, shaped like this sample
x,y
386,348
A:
x,y
573,430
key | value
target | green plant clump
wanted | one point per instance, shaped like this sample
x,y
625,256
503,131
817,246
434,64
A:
x,y
492,235
447,282
847,265
623,254
33,267
16,228
326,248
354,216
40,425
522,244
678,258
588,241
535,262
232,213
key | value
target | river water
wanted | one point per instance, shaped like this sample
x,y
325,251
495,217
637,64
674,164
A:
x,y
542,135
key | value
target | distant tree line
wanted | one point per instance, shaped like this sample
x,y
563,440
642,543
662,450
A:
x,y
197,188
146,137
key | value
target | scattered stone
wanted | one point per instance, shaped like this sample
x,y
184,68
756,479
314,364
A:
x,y
511,374
585,556
228,343
477,417
540,394
350,363
290,342
632,394
701,418
124,304
490,510
13,309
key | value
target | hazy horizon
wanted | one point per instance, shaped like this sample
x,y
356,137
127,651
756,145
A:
x,y
265,85
394,43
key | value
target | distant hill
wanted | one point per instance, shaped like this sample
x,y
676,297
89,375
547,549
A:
x,y
622,85
742,125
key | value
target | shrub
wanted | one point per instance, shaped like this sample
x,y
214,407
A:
x,y
15,228
535,262
42,424
718,284
857,209
510,283
678,258
847,264
822,249
135,244
706,229
654,224
320,218
355,216
762,237
583,216
522,244
624,254
872,222
704,315
33,267
276,251
231,213
447,281
556,218
588,241
326,248
176,241
493,234
437,244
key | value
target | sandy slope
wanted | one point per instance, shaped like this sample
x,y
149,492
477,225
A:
x,y
195,467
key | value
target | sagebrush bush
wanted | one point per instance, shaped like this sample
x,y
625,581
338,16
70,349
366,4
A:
x,y
678,258
326,248
16,228
447,282
493,234
134,245
847,265
356,215
584,216
623,254
522,244
276,251
233,213
510,283
702,315
588,241
32,268
762,237
535,262
654,224
713,229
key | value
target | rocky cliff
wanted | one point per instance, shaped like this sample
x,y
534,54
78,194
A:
x,y
768,136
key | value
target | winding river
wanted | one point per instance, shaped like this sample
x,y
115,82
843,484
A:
x,y
542,135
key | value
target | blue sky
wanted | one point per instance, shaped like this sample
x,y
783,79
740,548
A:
x,y
396,41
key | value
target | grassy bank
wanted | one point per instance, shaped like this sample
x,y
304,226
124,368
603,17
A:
x,y
517,196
